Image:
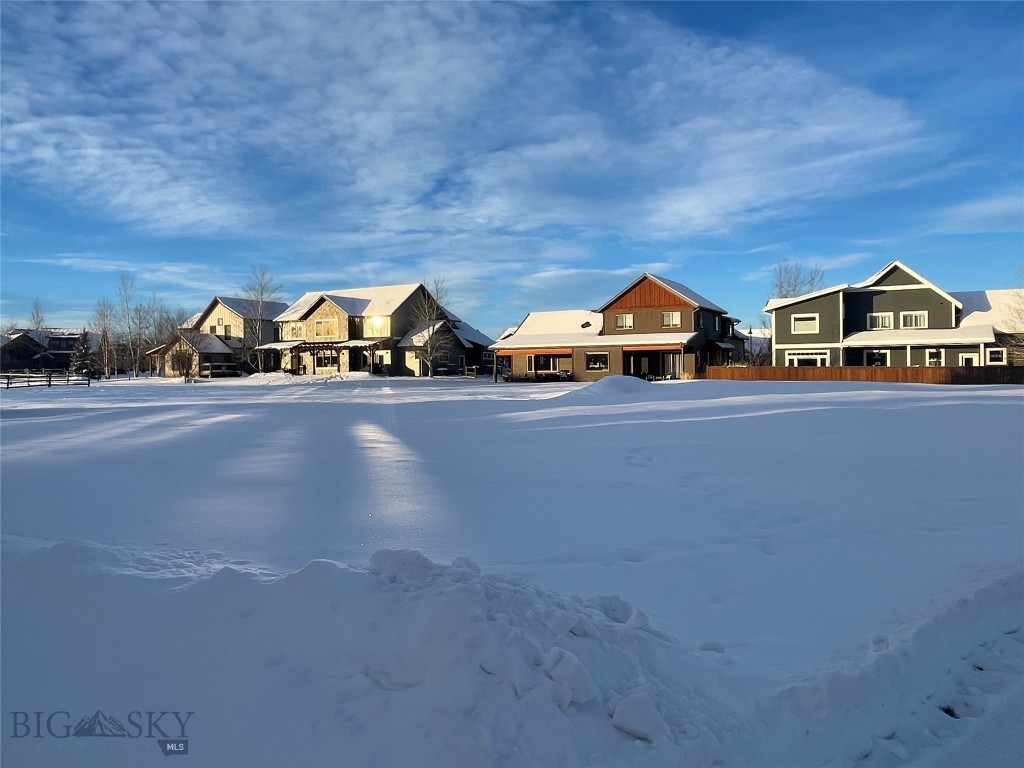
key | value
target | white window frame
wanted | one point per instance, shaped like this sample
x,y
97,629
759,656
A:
x,y
886,352
328,322
588,355
624,322
1002,356
975,355
822,355
487,356
531,366
905,315
942,357
675,319
873,315
805,316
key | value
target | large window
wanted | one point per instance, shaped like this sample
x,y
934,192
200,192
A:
x,y
597,361
327,358
879,321
670,319
297,331
624,322
917,319
542,363
804,323
325,328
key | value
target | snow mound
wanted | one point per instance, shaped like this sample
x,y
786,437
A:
x,y
609,389
468,668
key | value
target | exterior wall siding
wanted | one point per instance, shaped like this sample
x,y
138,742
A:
x,y
860,303
898,276
649,320
828,309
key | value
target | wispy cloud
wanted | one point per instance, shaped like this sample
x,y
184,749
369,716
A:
x,y
1003,212
373,123
825,263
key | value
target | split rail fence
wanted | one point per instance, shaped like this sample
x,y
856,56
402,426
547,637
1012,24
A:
x,y
45,379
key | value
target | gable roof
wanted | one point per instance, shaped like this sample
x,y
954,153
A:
x,y
249,309
465,333
569,327
675,287
206,343
785,301
875,278
1003,309
354,302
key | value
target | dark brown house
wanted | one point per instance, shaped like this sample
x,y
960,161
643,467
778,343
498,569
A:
x,y
654,328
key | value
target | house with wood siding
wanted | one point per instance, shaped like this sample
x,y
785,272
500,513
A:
x,y
897,318
377,329
654,328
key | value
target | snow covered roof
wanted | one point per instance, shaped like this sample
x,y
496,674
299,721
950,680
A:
x,y
579,328
207,343
464,332
508,332
571,327
192,321
1003,309
974,334
774,304
249,309
354,302
676,287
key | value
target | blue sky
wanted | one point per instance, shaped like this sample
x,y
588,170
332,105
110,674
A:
x,y
536,156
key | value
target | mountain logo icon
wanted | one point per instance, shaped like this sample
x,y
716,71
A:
x,y
99,725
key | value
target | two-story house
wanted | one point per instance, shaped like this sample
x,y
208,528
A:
x,y
653,328
378,329
222,339
895,318
38,349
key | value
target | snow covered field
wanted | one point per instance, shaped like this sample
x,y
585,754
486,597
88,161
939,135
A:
x,y
404,572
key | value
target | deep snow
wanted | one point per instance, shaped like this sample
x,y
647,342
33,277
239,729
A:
x,y
769,573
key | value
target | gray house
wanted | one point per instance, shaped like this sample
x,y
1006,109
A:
x,y
897,318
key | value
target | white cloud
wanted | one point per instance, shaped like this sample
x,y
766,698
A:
x,y
379,124
996,213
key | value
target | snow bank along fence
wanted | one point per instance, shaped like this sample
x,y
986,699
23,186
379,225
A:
x,y
931,375
45,379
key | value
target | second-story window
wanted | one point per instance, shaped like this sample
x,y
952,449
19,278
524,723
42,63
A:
x,y
297,331
879,321
916,319
670,319
325,328
804,323
624,322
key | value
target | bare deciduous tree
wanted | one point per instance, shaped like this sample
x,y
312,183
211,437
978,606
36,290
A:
x,y
260,289
36,320
431,321
126,306
791,278
104,323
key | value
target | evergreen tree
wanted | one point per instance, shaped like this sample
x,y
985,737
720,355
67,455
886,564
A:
x,y
81,358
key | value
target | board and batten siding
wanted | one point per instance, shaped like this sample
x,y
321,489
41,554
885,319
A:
x,y
646,301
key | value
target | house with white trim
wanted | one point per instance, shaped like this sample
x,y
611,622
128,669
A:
x,y
654,328
897,318
377,329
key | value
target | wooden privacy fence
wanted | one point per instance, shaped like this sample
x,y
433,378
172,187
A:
x,y
930,375
46,379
